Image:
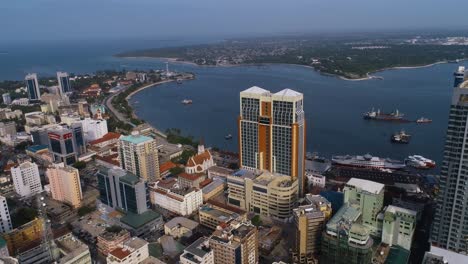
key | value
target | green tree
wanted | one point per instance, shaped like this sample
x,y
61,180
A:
x,y
79,165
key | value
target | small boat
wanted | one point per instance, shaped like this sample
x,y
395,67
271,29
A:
x,y
423,120
401,138
229,136
186,101
179,81
420,162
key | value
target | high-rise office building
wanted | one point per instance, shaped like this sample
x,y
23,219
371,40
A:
x,y
26,179
78,135
32,87
139,155
309,222
6,98
450,225
5,219
236,242
64,143
64,82
65,185
272,132
121,189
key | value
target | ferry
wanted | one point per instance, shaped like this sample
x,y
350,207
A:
x,y
420,162
186,101
400,138
368,161
377,115
423,120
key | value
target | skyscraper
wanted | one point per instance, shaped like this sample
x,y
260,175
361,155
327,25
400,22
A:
x,y
62,145
139,155
121,189
450,225
26,179
65,185
32,87
5,219
64,83
272,132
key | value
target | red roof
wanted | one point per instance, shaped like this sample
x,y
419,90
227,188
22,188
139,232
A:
x,y
205,183
166,166
199,159
106,137
112,159
120,253
190,177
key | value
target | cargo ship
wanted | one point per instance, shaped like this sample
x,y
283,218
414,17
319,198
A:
x,y
377,115
400,138
368,161
420,162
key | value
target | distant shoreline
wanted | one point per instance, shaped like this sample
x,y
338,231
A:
x,y
370,75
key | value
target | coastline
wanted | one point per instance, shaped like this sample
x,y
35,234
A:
x,y
369,75
146,87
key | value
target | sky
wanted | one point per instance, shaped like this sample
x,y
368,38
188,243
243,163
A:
x,y
22,20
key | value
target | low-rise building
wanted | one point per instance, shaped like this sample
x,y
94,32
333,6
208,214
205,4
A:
x,y
134,250
180,227
140,224
72,250
182,201
186,180
111,239
212,216
213,189
165,168
199,252
217,171
7,129
263,193
24,235
7,113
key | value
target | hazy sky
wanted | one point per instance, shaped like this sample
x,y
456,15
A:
x,y
91,19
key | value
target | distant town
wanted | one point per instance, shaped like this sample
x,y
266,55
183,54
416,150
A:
x,y
353,56
84,180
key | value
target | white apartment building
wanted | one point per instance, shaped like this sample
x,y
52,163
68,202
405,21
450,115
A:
x,y
398,226
182,201
94,129
134,250
198,253
26,179
5,220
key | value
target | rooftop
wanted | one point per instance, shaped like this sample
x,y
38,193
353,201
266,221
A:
x,y
368,186
138,220
197,248
130,179
288,92
256,90
212,186
106,137
345,217
181,221
136,139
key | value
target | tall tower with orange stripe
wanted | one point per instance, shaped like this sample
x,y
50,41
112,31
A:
x,y
272,132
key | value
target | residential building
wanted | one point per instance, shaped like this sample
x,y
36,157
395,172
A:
x,y
65,185
212,216
263,193
110,240
94,129
52,102
182,201
6,113
26,179
200,162
180,227
5,219
134,250
369,197
139,155
235,243
7,129
63,145
6,98
141,224
272,133
64,82
38,119
121,189
32,87
199,252
186,180
398,226
450,225
213,189
309,222
20,101
24,236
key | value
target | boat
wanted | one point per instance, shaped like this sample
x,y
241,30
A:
x,y
401,137
187,101
424,163
229,136
179,81
367,161
423,120
377,115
